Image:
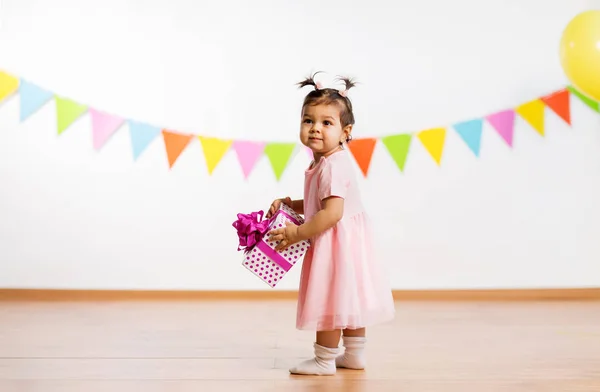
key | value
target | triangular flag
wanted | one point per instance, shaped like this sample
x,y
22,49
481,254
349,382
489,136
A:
x,y
248,153
504,123
594,105
398,146
214,150
141,136
175,143
8,85
279,154
103,127
533,113
560,104
67,111
32,98
362,150
433,141
470,132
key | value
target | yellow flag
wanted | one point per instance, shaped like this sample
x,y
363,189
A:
x,y
8,85
533,113
433,141
214,150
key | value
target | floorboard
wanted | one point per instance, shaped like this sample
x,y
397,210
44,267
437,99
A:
x,y
249,346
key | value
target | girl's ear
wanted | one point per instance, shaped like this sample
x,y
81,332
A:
x,y
347,132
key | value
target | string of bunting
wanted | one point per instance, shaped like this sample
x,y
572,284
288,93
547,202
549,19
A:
x,y
33,97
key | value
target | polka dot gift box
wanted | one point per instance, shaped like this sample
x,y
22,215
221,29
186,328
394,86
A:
x,y
260,256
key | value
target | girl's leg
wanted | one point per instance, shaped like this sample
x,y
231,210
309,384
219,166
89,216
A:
x,y
330,339
361,332
354,344
326,351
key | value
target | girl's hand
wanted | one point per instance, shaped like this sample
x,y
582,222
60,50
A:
x,y
275,206
288,235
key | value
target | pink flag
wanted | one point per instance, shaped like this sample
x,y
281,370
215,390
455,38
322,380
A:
x,y
504,123
103,126
248,154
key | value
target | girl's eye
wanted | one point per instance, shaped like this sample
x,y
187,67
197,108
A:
x,y
307,121
327,123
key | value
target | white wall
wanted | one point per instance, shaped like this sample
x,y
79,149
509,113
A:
x,y
74,218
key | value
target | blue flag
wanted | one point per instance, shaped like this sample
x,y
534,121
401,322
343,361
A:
x,y
141,136
470,132
32,98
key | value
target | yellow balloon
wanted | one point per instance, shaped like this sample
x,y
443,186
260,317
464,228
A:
x,y
580,53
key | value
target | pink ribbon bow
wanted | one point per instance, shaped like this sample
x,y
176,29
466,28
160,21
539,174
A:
x,y
250,229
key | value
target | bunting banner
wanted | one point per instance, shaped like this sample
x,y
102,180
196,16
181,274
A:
x,y
32,98
103,126
398,146
175,143
362,150
470,132
248,153
67,111
214,149
8,85
141,135
433,141
279,155
504,123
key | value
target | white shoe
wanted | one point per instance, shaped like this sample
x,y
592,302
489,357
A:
x,y
354,355
323,364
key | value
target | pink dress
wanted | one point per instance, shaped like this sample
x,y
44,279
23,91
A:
x,y
342,283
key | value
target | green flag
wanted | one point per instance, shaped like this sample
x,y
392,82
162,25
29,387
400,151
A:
x,y
279,155
588,101
67,111
398,146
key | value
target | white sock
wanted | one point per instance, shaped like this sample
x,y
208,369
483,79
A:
x,y
354,355
323,364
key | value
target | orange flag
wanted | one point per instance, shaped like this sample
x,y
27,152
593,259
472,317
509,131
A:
x,y
175,143
560,104
362,150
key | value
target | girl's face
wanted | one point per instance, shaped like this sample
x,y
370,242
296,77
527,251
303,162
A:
x,y
321,129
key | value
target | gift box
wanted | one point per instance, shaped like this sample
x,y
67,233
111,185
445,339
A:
x,y
260,256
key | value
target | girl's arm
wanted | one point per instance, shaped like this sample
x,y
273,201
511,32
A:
x,y
329,216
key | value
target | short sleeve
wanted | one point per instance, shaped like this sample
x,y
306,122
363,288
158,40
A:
x,y
334,180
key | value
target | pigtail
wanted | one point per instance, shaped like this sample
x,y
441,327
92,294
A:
x,y
310,81
348,84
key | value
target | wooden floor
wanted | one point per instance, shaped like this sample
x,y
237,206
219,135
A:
x,y
202,346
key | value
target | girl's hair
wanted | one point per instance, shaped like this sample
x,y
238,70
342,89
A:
x,y
328,96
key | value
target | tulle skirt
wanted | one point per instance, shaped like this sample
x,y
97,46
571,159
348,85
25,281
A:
x,y
343,284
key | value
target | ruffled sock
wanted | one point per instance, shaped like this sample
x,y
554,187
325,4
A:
x,y
354,355
323,364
